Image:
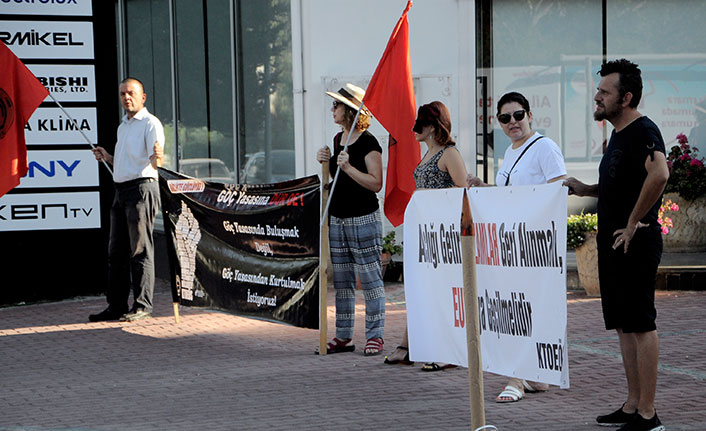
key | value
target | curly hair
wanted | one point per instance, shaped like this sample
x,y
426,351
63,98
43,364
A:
x,y
363,119
629,78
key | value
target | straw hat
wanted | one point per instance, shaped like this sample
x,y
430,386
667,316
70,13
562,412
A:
x,y
351,95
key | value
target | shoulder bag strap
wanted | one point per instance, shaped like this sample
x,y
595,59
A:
x,y
507,180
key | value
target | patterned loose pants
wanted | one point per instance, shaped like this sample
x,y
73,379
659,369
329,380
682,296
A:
x,y
356,247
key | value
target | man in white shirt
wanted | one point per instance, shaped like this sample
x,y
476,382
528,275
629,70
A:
x,y
138,153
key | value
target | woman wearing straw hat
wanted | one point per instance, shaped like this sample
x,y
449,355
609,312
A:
x,y
441,167
355,232
531,159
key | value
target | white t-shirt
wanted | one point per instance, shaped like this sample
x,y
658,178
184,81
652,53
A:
x,y
542,162
136,138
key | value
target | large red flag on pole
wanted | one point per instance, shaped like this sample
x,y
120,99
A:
x,y
20,94
390,98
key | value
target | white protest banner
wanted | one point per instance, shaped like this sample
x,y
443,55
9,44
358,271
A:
x,y
521,275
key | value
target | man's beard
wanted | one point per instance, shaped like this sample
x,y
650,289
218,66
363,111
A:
x,y
605,114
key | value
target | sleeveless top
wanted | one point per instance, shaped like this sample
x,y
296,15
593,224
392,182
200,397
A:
x,y
429,176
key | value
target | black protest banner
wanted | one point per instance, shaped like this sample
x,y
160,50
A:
x,y
249,249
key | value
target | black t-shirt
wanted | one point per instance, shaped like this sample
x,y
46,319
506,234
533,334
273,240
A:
x,y
350,199
622,174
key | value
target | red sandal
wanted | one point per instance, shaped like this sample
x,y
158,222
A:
x,y
336,345
373,347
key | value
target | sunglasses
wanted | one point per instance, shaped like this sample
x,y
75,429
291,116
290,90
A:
x,y
517,115
336,103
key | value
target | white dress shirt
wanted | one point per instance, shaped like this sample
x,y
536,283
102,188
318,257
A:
x,y
136,138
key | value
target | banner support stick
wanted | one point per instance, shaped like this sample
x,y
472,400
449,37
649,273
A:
x,y
176,312
470,296
80,131
323,260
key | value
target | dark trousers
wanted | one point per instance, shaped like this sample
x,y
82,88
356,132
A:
x,y
131,244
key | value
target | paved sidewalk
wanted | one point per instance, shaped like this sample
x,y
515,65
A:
x,y
216,371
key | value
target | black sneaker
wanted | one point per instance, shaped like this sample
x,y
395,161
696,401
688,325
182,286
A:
x,y
638,423
617,418
105,315
138,314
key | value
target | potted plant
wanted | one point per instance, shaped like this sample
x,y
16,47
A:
x,y
686,188
581,236
390,248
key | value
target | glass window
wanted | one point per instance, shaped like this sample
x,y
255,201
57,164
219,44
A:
x,y
147,51
204,89
666,39
266,145
548,51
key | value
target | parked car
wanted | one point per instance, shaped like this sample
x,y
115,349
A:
x,y
207,169
282,167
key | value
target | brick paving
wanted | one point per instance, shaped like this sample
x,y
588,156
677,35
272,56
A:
x,y
217,371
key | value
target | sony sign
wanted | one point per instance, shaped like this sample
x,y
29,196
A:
x,y
49,211
67,83
67,168
52,126
48,39
46,7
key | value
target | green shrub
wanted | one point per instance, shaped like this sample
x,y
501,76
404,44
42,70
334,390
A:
x,y
577,228
389,244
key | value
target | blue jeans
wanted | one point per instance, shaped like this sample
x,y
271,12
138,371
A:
x,y
131,244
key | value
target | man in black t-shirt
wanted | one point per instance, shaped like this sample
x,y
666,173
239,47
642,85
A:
x,y
632,176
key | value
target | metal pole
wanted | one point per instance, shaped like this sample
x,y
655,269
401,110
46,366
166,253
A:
x,y
80,131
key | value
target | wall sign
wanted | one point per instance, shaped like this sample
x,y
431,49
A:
x,y
47,7
52,126
48,39
45,211
67,83
67,168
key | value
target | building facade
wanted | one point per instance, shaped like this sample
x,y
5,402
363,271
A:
x,y
239,85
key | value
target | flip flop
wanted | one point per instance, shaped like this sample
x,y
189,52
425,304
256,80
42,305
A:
x,y
511,395
403,361
433,366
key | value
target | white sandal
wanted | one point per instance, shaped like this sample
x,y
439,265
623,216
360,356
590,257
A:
x,y
529,388
511,395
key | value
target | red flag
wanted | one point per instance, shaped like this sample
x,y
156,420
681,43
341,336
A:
x,y
20,94
390,98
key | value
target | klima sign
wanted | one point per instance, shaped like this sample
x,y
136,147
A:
x,y
53,126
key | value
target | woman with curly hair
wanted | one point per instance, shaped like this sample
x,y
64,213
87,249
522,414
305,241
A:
x,y
355,232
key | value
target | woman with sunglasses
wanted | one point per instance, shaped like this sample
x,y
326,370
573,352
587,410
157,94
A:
x,y
355,233
441,167
531,159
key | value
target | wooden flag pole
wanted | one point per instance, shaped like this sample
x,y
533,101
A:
x,y
323,261
470,295
176,312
